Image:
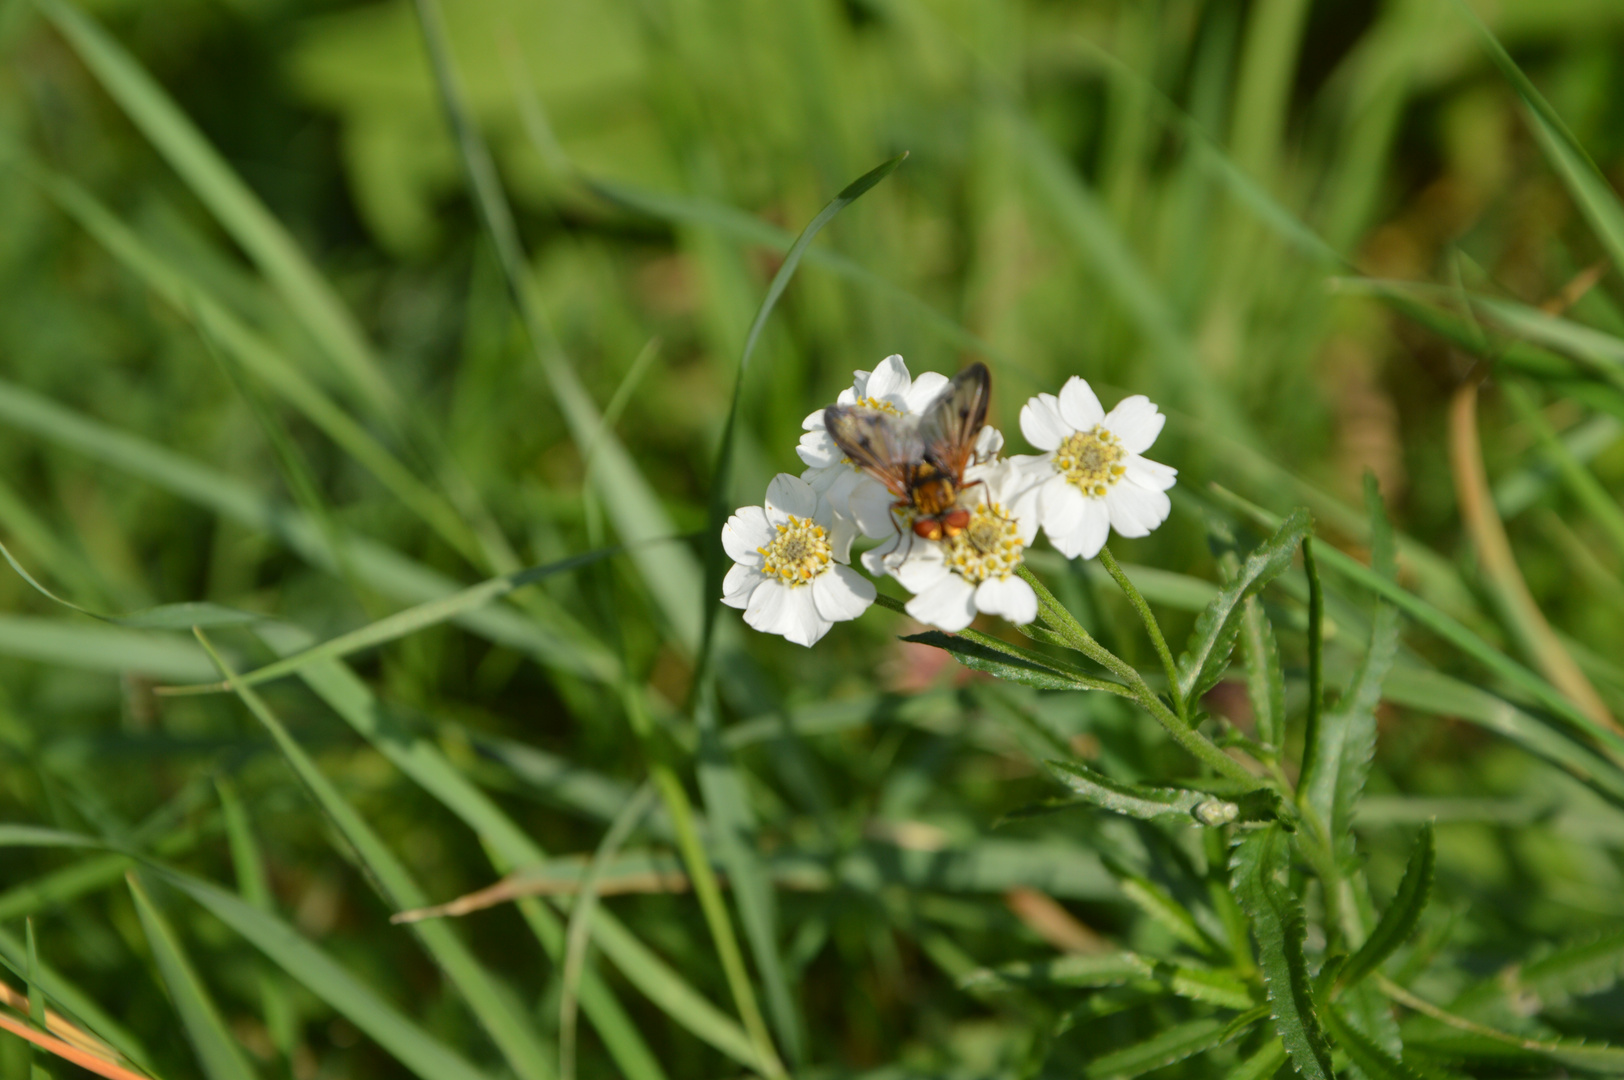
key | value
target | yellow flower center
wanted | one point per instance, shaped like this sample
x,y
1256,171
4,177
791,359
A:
x,y
799,553
1092,460
989,547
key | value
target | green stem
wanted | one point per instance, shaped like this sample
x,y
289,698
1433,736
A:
x,y
1316,675
1197,744
1152,627
706,889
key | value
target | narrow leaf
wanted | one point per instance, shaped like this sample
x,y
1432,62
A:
x,y
216,1049
1347,735
1173,1045
1372,1060
1265,678
1006,661
1213,637
1402,916
1258,865
1133,800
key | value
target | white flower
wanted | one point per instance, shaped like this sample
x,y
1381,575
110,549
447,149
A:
x,y
791,576
974,571
852,492
1092,477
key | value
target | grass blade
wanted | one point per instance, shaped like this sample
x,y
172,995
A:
x,y
490,1004
236,207
217,1052
1172,1045
1258,862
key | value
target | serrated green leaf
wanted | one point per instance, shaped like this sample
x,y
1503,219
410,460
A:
x,y
1402,916
1005,661
1213,638
1173,1045
1261,1065
1258,863
1265,678
1347,734
1375,1062
217,1051
1173,916
1150,803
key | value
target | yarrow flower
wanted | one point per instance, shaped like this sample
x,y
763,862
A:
x,y
790,573
851,492
1092,478
973,571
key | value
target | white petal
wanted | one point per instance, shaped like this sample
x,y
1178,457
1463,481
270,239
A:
x,y
890,381
813,421
1136,422
859,387
1084,539
870,506
842,531
873,559
1079,406
988,442
842,593
824,478
789,494
1150,474
739,584
1041,422
818,449
778,609
1136,510
1010,597
1061,506
949,604
923,566
925,390
1024,509
745,531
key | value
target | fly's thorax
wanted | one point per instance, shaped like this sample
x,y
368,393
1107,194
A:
x,y
933,493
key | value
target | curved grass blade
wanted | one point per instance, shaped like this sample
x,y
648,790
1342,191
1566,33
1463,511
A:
x,y
670,574
426,764
383,569
193,301
579,932
232,203
217,1052
1402,916
1258,862
491,1005
401,624
166,617
1212,640
112,649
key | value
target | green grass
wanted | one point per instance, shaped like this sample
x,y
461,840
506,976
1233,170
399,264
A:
x,y
416,352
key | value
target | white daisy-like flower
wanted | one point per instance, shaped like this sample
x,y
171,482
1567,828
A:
x,y
1092,477
851,491
956,577
790,575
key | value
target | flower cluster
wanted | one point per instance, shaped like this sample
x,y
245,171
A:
x,y
792,573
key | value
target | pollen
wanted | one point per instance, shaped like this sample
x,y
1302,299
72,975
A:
x,y
799,553
988,547
1092,460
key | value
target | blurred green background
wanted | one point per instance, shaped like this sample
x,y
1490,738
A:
x,y
256,348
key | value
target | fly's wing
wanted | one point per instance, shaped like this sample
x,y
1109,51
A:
x,y
950,425
886,446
